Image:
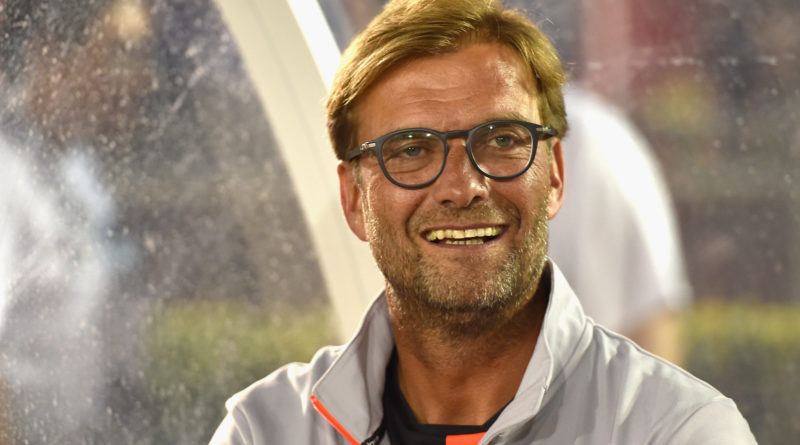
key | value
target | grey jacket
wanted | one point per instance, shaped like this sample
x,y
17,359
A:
x,y
583,385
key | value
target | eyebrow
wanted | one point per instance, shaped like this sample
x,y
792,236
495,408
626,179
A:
x,y
511,116
514,115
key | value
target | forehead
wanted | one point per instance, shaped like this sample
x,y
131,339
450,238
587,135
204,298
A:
x,y
450,91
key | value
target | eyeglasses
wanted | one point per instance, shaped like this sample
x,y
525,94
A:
x,y
415,157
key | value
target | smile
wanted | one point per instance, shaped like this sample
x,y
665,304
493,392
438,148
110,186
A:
x,y
463,237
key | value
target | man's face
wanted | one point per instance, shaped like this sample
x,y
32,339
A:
x,y
494,273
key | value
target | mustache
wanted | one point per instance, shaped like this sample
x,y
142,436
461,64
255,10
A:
x,y
484,212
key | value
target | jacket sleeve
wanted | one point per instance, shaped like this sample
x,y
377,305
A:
x,y
233,430
714,423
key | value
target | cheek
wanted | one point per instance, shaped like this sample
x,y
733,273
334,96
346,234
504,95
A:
x,y
528,193
540,170
388,208
380,210
539,179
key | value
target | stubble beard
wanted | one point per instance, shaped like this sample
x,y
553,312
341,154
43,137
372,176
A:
x,y
473,301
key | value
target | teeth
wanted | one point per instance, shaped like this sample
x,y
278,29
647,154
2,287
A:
x,y
468,236
433,235
470,241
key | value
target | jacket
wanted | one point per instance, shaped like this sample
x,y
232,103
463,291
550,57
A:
x,y
583,385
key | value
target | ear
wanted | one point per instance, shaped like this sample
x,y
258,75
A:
x,y
556,179
350,196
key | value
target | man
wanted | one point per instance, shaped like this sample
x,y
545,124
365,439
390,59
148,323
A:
x,y
447,116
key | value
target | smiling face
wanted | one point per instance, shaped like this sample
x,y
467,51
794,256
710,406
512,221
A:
x,y
466,248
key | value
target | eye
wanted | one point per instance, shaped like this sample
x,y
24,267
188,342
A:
x,y
404,152
503,141
408,146
412,151
503,138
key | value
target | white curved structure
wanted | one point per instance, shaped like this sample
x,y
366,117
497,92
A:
x,y
291,56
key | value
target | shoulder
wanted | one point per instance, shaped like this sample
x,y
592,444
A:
x,y
290,381
276,408
654,399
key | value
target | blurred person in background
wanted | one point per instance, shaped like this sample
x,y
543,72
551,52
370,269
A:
x,y
477,337
70,91
615,238
633,278
137,125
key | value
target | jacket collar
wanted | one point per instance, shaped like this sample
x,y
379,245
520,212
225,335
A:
x,y
565,334
351,389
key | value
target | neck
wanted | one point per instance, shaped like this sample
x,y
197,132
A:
x,y
455,379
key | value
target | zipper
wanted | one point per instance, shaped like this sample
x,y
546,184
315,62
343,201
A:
x,y
332,420
371,440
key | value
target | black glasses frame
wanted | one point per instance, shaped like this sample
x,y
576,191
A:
x,y
376,146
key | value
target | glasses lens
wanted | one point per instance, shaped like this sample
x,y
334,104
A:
x,y
502,149
413,157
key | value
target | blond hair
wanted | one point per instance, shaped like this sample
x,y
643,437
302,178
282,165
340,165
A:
x,y
408,29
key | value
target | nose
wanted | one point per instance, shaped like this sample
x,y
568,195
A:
x,y
460,184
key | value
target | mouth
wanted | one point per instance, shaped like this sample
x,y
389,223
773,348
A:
x,y
474,236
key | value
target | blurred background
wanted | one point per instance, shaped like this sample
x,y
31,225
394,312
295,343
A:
x,y
169,224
